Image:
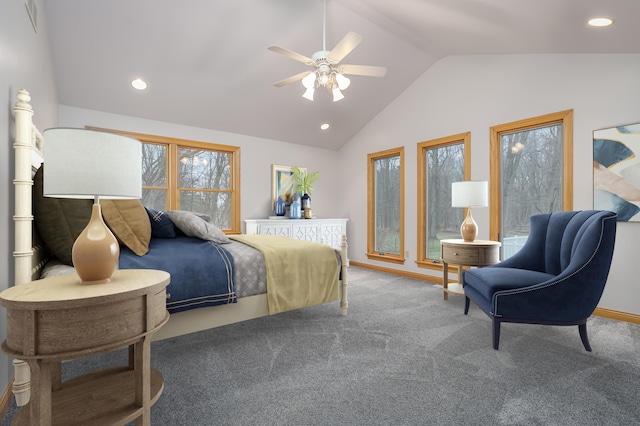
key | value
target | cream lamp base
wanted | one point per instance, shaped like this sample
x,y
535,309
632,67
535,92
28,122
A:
x,y
469,228
96,251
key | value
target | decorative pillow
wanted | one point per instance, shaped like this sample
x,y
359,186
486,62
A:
x,y
129,222
194,226
59,220
161,225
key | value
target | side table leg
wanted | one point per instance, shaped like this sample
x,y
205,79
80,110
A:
x,y
142,367
40,402
445,280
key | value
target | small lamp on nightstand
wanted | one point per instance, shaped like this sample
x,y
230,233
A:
x,y
90,164
469,194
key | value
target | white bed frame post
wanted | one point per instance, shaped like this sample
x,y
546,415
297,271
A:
x,y
24,144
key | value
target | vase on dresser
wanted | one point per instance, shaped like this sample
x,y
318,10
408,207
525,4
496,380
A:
x,y
306,206
295,210
280,207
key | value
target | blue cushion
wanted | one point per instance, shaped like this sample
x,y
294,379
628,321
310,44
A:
x,y
161,224
488,280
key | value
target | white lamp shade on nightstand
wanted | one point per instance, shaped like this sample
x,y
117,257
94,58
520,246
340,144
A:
x,y
469,194
82,163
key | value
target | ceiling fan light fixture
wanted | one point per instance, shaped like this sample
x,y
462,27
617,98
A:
x,y
342,81
323,79
309,81
337,94
308,94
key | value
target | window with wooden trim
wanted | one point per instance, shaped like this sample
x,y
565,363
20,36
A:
x,y
201,177
440,163
385,206
531,173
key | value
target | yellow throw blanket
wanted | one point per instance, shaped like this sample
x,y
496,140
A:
x,y
299,273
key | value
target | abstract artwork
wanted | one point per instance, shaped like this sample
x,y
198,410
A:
x,y
616,171
283,183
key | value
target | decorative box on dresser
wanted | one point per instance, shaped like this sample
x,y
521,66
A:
x,y
57,319
326,231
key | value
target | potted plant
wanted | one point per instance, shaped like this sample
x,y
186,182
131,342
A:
x,y
304,184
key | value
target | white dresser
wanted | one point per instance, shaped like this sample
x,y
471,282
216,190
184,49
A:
x,y
327,231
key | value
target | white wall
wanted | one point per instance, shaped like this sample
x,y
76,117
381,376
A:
x,y
473,93
25,62
256,154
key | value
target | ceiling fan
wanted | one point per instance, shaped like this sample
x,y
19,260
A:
x,y
327,71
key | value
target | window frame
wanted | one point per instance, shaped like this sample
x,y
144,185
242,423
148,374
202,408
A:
x,y
421,260
562,117
173,190
371,232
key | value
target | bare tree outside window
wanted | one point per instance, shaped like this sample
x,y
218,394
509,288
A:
x,y
154,176
531,173
444,165
205,182
387,185
385,239
531,177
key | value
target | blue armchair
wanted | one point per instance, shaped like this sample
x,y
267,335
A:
x,y
557,277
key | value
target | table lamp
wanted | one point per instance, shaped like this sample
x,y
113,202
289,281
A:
x,y
90,164
469,194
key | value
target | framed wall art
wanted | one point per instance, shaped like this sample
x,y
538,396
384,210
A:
x,y
283,183
616,171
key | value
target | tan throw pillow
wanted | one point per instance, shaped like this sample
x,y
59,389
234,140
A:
x,y
129,222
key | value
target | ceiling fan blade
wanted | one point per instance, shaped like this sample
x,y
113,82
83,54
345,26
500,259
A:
x,y
344,47
292,79
363,70
293,55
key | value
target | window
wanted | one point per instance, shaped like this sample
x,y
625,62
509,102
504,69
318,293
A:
x,y
385,206
440,163
195,176
531,172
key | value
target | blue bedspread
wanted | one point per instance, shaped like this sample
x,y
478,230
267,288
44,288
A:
x,y
201,271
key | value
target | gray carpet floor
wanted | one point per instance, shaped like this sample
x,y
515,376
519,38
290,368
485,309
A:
x,y
402,356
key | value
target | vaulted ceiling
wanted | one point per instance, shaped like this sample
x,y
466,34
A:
x,y
207,65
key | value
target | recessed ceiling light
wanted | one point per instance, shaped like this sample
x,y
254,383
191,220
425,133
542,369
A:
x,y
325,126
139,84
600,22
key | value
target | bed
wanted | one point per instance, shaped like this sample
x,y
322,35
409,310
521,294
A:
x,y
208,311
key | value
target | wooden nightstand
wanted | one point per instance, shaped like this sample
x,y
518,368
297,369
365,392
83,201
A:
x,y
477,253
58,319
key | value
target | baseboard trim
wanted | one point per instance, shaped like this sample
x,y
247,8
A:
x,y
617,315
5,402
601,312
428,278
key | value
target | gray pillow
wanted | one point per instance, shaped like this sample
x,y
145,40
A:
x,y
194,226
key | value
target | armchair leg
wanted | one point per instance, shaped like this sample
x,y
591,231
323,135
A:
x,y
466,305
582,328
496,333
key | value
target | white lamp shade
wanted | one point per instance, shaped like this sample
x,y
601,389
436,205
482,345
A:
x,y
309,81
82,163
342,81
337,94
470,194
